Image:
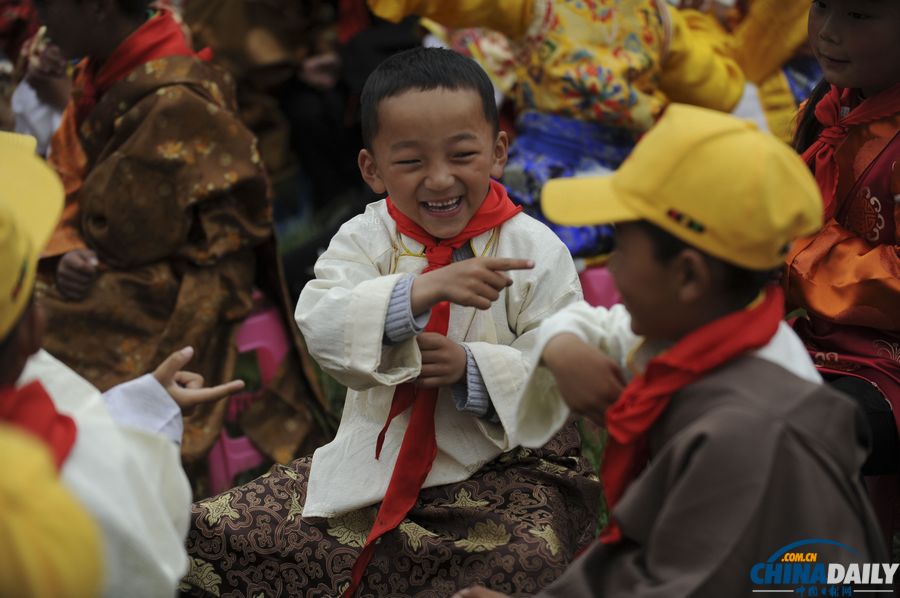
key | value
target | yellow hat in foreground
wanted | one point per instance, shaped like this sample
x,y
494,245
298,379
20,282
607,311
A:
x,y
31,199
714,181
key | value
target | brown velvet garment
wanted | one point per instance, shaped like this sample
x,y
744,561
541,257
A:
x,y
746,461
175,203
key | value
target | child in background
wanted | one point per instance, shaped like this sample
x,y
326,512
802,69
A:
x,y
426,457
121,464
725,446
51,546
847,276
167,217
591,78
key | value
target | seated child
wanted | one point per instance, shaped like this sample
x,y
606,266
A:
x,y
426,457
591,77
51,545
120,464
846,277
167,214
748,450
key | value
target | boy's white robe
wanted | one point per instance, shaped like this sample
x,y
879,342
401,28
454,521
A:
x,y
342,316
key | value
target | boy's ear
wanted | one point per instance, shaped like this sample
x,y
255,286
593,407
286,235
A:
x,y
693,275
369,171
500,155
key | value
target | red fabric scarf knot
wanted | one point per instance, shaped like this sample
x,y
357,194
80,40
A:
x,y
419,446
646,397
821,154
30,408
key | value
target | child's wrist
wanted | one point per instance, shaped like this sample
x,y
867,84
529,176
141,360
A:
x,y
423,296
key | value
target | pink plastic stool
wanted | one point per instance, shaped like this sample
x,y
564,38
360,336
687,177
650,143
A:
x,y
599,287
262,332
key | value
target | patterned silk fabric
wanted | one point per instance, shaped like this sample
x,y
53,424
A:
x,y
513,526
594,60
847,276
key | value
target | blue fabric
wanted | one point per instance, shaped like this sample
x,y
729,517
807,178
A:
x,y
802,73
550,146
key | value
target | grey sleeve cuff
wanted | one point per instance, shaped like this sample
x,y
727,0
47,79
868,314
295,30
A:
x,y
400,323
471,395
144,404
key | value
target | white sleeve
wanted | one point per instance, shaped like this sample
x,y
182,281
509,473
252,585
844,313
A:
x,y
131,483
342,315
33,117
144,404
541,412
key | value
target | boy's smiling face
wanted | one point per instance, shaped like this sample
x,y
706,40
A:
x,y
434,153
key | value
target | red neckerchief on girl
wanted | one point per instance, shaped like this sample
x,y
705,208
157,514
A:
x,y
419,446
30,408
820,155
644,400
160,37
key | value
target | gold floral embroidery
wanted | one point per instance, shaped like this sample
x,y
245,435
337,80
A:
x,y
547,534
202,575
352,529
171,150
291,473
552,468
464,501
153,68
295,510
414,533
483,537
219,508
204,147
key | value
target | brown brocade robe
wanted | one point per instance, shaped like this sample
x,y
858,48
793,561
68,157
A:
x,y
174,199
743,462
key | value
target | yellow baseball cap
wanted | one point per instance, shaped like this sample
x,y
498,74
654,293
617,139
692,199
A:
x,y
31,199
714,181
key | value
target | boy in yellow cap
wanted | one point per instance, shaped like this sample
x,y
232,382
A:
x,y
724,447
121,461
50,547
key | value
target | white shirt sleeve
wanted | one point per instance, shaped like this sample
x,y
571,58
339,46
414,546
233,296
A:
x,y
144,404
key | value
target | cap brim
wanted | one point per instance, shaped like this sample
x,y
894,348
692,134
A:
x,y
584,201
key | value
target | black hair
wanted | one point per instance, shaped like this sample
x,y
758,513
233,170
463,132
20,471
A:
x,y
808,127
423,69
741,284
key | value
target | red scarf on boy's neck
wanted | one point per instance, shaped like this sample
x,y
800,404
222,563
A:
x,y
160,37
644,400
419,446
820,155
30,408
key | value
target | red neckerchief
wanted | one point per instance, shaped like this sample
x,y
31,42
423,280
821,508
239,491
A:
x,y
644,400
160,37
30,408
419,446
820,155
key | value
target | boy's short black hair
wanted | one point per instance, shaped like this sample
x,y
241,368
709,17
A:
x,y
424,69
741,284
